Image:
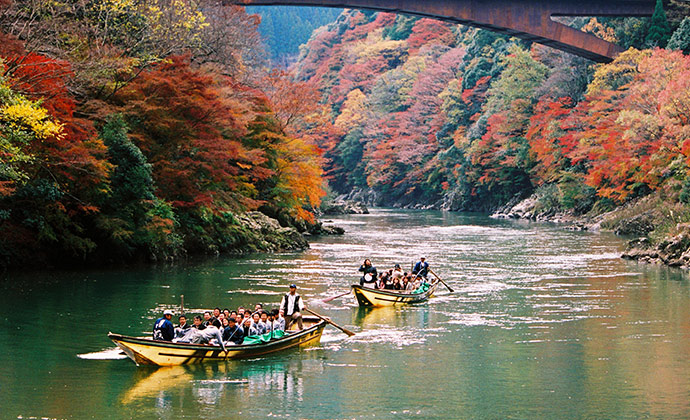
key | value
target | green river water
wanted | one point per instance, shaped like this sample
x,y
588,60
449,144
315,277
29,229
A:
x,y
544,324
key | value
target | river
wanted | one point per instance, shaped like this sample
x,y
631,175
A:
x,y
544,323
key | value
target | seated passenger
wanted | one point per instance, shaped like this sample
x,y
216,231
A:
x,y
233,333
380,283
210,335
396,284
182,327
216,323
255,328
397,273
278,320
246,326
207,318
265,325
198,324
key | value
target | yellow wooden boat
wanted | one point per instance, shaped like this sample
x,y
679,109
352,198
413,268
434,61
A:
x,y
146,351
384,297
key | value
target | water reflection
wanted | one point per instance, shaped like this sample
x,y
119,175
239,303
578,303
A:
x,y
151,382
213,385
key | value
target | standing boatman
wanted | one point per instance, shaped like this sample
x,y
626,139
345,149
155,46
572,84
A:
x,y
421,269
163,329
369,274
292,306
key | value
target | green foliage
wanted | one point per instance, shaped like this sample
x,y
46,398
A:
x,y
520,80
630,31
401,29
575,194
131,180
680,40
659,30
685,192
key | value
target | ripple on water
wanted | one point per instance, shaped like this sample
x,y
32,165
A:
x,y
105,354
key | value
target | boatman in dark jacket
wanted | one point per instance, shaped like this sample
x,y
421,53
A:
x,y
292,306
421,269
163,329
369,274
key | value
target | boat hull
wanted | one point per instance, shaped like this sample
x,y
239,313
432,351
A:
x,y
375,297
145,351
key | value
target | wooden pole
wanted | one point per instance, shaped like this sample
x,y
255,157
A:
x,y
439,279
345,330
335,297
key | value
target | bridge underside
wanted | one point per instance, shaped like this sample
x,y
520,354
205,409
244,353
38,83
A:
x,y
526,19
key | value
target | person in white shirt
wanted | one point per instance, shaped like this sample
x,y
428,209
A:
x,y
292,306
278,320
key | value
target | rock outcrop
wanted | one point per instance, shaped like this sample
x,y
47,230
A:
x,y
674,251
344,207
266,234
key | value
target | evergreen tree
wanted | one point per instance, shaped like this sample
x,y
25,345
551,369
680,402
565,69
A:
x,y
132,190
681,37
659,29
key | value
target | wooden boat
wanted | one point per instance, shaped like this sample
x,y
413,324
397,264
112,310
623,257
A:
x,y
384,297
146,351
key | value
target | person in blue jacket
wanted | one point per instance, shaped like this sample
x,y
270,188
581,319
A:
x,y
163,329
421,269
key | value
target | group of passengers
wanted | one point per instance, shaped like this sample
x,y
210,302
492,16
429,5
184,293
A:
x,y
229,327
394,278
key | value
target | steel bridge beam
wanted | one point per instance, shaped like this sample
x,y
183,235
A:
x,y
526,19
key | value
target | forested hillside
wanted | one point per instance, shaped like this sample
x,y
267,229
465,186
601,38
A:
x,y
145,130
285,28
429,113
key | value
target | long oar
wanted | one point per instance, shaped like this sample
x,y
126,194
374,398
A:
x,y
335,297
439,279
345,330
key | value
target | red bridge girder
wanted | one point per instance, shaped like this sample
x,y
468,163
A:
x,y
526,19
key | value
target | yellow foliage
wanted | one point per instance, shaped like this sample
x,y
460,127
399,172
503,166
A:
x,y
353,113
26,114
617,73
600,31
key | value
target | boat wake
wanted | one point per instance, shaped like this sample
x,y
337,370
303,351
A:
x,y
107,354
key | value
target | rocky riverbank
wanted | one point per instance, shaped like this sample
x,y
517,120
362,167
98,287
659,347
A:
x,y
658,225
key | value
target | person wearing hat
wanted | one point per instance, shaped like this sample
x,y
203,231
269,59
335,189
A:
x,y
292,306
163,329
369,275
397,273
421,268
